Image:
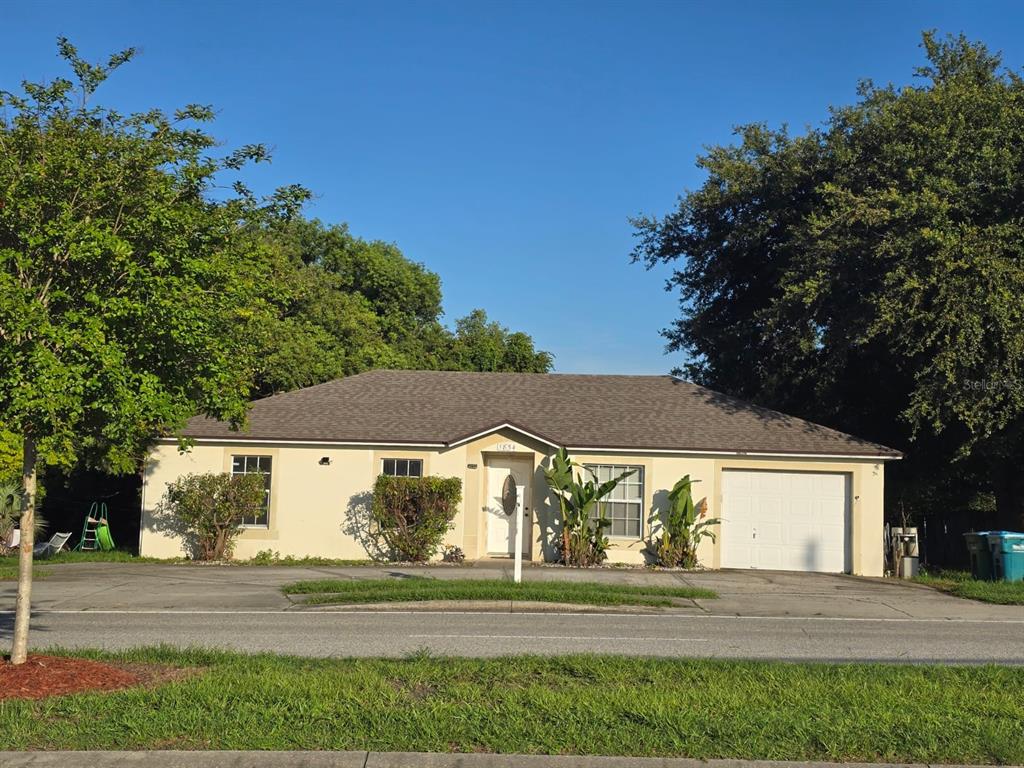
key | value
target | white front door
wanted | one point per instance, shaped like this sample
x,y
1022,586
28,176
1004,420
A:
x,y
501,527
786,521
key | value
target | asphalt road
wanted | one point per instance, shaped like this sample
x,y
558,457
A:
x,y
758,615
337,633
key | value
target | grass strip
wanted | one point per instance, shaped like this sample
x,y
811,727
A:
x,y
575,704
10,573
273,559
960,584
415,589
99,556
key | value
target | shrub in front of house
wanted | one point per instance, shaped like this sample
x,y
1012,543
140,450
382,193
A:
x,y
210,508
411,515
453,554
580,508
683,526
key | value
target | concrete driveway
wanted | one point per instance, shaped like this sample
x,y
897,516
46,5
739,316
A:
x,y
131,587
757,615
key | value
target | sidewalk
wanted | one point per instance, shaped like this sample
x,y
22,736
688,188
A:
x,y
382,760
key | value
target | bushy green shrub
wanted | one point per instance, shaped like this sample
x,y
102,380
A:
x,y
210,508
453,554
683,525
583,539
266,557
411,515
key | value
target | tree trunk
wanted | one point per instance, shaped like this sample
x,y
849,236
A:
x,y
23,604
1008,484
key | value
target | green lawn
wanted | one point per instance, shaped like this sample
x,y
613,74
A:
x,y
561,705
349,591
10,572
961,584
114,556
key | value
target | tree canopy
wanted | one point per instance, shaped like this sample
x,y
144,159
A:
x,y
868,274
349,305
129,295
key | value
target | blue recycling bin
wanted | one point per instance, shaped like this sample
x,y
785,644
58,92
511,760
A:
x,y
1007,555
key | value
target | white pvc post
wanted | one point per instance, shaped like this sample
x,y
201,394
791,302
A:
x,y
518,572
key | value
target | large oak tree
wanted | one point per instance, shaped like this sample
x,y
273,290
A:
x,y
869,274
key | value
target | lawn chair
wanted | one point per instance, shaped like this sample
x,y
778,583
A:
x,y
51,547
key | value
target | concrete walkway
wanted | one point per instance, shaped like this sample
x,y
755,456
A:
x,y
382,760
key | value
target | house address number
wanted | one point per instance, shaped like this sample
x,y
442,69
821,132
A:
x,y
508,447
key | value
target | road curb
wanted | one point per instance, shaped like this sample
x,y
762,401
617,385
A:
x,y
256,759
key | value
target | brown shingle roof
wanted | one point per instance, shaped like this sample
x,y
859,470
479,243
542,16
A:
x,y
445,407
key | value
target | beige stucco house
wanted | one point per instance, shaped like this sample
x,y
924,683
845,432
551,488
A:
x,y
791,495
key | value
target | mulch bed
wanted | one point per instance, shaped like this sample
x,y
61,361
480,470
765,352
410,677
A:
x,y
43,676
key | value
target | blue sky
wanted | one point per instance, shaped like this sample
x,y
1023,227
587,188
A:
x,y
504,144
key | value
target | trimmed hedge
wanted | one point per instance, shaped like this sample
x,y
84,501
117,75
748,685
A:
x,y
412,514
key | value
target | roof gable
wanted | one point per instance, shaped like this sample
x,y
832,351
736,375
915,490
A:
x,y
500,426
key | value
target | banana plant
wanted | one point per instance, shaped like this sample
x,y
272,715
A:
x,y
583,539
683,526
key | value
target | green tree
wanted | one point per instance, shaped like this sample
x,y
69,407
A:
x,y
868,274
480,344
349,305
404,295
130,298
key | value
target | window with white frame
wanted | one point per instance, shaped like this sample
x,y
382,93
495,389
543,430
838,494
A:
x,y
248,465
624,506
403,467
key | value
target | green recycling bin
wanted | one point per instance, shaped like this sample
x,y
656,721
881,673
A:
x,y
1007,555
981,555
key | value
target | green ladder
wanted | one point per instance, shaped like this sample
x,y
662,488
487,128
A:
x,y
96,530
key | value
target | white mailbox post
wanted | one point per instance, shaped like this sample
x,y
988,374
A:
x,y
510,506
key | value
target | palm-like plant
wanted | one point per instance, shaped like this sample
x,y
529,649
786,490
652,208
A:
x,y
583,539
683,526
10,512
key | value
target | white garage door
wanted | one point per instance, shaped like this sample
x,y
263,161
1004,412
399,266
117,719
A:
x,y
786,521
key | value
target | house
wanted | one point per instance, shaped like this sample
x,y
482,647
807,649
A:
x,y
791,495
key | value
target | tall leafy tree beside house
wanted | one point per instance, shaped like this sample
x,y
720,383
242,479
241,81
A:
x,y
130,298
350,305
868,274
